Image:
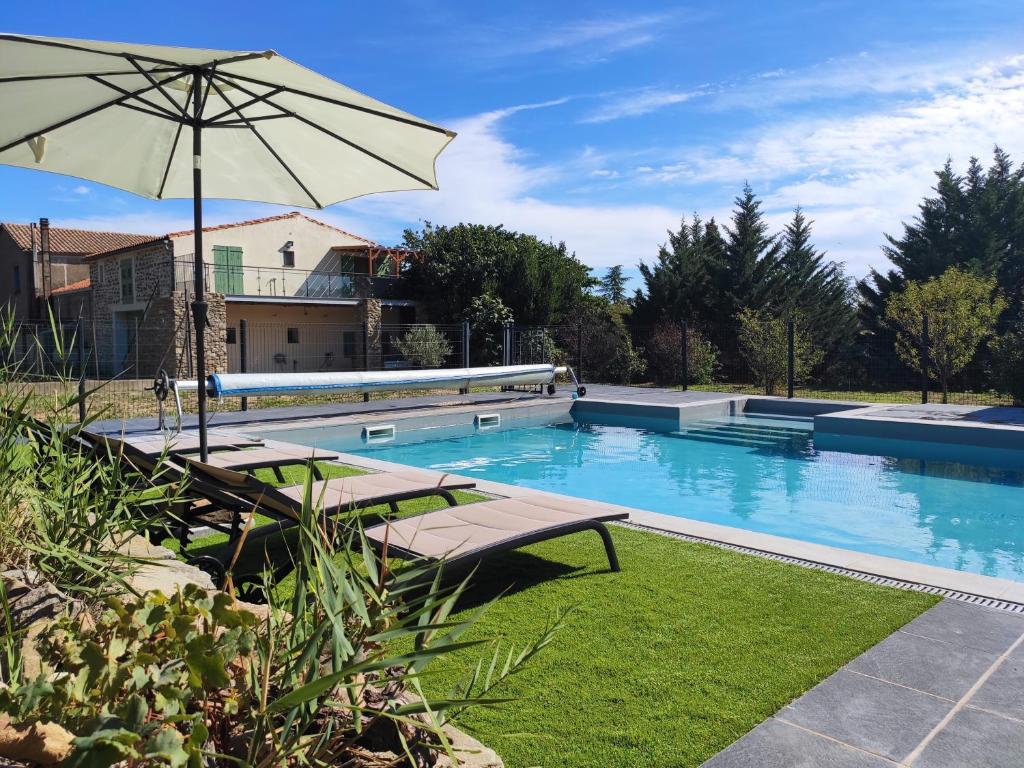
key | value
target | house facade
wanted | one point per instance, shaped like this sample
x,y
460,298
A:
x,y
42,265
312,297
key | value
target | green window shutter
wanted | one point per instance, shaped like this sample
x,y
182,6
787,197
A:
x,y
220,268
236,283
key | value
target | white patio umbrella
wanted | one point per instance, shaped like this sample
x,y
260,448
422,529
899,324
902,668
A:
x,y
167,122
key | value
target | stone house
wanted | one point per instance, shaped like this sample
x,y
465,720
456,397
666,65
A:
x,y
312,297
40,264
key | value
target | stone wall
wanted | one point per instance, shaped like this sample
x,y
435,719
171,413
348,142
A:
x,y
184,346
370,314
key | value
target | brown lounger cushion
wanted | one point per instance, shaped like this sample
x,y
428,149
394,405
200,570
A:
x,y
472,529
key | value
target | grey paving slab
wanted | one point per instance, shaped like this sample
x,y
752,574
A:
x,y
928,665
868,714
775,744
985,629
975,740
1003,692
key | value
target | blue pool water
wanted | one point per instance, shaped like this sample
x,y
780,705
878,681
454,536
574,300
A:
x,y
758,473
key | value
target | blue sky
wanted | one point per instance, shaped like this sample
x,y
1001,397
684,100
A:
x,y
601,124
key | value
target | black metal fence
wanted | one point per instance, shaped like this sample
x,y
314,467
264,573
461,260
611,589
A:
x,y
114,366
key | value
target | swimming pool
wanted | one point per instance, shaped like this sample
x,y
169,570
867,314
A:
x,y
760,473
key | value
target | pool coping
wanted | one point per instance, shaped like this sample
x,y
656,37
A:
x,y
901,573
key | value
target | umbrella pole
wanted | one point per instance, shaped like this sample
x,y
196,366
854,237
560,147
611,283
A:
x,y
199,306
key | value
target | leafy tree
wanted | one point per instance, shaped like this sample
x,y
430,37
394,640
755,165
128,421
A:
x,y
608,351
613,285
764,344
536,280
973,222
486,316
664,353
424,347
1008,362
962,309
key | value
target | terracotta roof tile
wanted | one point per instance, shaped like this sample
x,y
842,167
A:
x,y
278,217
74,241
81,285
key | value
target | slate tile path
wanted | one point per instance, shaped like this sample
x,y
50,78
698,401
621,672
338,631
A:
x,y
946,691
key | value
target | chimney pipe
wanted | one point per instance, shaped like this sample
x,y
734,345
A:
x,y
44,256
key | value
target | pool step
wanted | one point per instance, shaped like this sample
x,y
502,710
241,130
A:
x,y
745,435
711,437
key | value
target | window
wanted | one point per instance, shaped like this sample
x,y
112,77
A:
x,y
231,338
293,335
348,344
16,282
288,258
127,276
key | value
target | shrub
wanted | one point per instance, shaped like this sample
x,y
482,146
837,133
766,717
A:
x,y
664,353
764,344
962,309
1008,363
486,315
425,347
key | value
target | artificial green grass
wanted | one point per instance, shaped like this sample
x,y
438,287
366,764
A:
x,y
667,662
663,664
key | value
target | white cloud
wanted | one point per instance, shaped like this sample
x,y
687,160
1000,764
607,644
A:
x,y
859,176
81,189
488,180
636,103
598,36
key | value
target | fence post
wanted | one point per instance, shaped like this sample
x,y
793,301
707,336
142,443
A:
x,y
243,358
579,353
686,355
925,347
80,344
790,356
465,343
366,356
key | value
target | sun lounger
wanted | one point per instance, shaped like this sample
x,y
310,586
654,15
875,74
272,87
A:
x,y
469,533
155,445
343,494
269,458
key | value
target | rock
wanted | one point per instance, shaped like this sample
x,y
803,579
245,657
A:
x,y
37,743
470,752
161,569
34,605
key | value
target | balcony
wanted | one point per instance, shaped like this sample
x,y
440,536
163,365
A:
x,y
287,282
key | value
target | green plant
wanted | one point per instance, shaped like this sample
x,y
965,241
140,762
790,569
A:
x,y
962,309
1008,362
764,344
424,347
331,676
664,353
486,315
66,512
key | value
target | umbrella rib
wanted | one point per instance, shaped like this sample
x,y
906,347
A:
x,y
147,102
338,102
174,148
68,46
81,115
181,110
342,139
266,144
243,105
69,75
162,115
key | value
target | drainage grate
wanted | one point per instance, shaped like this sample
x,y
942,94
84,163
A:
x,y
913,586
